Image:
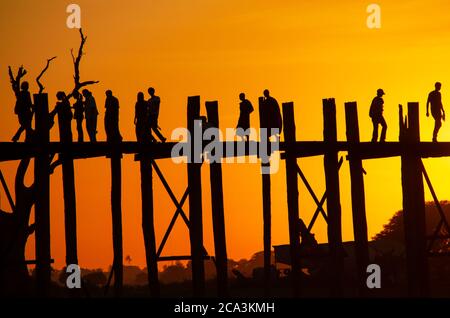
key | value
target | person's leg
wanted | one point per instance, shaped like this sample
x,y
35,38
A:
x,y
151,137
25,124
436,129
158,134
437,126
108,132
375,130
66,132
80,130
88,127
91,128
140,133
94,129
17,135
28,129
117,135
383,130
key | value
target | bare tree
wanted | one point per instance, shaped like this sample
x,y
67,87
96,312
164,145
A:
x,y
14,232
76,66
41,87
15,81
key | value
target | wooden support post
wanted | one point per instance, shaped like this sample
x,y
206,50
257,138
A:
x,y
116,209
267,214
195,198
333,200
414,210
42,186
267,225
148,226
358,198
292,194
68,178
70,216
218,214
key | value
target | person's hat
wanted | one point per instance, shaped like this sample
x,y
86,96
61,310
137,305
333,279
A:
x,y
380,91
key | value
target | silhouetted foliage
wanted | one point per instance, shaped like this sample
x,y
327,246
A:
x,y
394,229
96,278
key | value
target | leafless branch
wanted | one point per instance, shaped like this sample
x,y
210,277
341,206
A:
x,y
15,81
76,66
41,87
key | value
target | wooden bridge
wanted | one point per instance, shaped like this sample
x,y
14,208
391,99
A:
x,y
409,148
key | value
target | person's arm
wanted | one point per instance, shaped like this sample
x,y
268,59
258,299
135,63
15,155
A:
x,y
443,112
250,106
53,113
428,106
30,102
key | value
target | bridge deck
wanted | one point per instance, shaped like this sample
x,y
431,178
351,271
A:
x,y
365,150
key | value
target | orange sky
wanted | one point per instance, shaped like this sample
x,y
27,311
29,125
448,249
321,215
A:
x,y
303,52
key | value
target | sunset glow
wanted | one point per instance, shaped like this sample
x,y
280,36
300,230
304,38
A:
x,y
303,51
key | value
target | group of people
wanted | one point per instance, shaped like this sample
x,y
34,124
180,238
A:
x,y
434,102
270,120
85,109
147,113
146,117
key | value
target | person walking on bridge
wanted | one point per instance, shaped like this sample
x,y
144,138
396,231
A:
x,y
153,110
78,115
243,125
376,113
112,118
272,119
141,119
437,109
91,114
24,111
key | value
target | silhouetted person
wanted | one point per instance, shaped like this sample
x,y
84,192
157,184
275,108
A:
x,y
153,109
376,113
437,109
112,118
272,118
62,109
245,108
141,119
24,111
78,108
91,113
